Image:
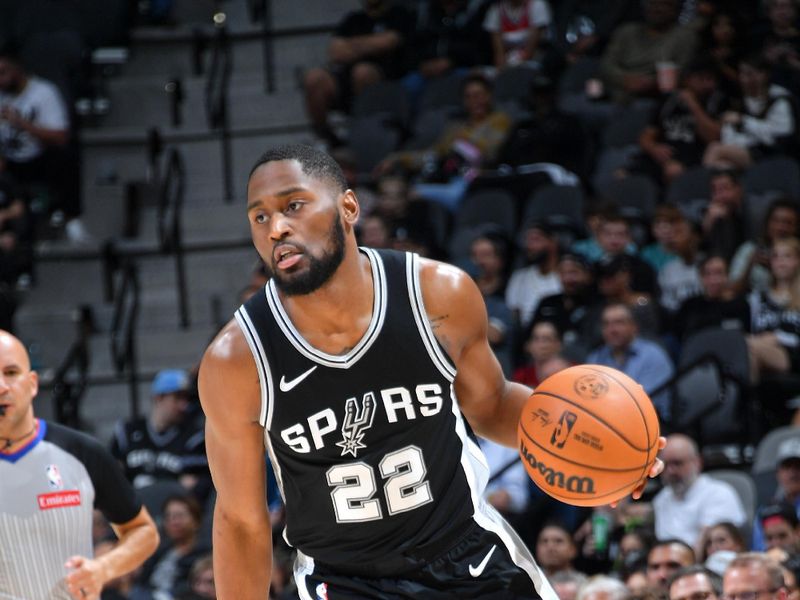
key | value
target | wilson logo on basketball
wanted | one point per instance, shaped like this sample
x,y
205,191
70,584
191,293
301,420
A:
x,y
561,431
59,499
591,387
571,483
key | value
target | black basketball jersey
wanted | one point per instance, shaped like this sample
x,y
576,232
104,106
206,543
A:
x,y
371,452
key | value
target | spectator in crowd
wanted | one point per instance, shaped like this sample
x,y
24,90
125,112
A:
x,y
723,537
167,571
508,489
633,546
375,231
489,253
665,559
716,306
517,28
567,583
571,311
680,278
787,479
34,134
694,582
164,446
690,501
614,238
543,348
722,220
583,27
547,134
16,236
722,41
602,587
201,580
465,146
750,264
774,345
367,46
449,37
656,254
614,283
623,349
780,527
791,577
637,583
764,125
629,62
780,43
686,120
555,549
753,575
539,277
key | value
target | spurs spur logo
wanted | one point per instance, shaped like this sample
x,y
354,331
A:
x,y
357,420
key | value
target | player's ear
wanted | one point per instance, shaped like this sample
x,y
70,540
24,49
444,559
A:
x,y
349,207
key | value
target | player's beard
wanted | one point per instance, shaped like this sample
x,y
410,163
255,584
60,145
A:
x,y
319,271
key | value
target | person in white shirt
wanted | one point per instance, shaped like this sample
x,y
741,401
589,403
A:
x,y
34,135
690,502
539,278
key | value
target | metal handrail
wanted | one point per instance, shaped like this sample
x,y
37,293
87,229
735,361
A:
x,y
170,205
70,378
216,101
123,331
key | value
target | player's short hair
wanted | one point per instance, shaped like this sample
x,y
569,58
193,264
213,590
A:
x,y
714,580
313,162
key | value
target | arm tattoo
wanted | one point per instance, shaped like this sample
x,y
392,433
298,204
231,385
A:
x,y
437,322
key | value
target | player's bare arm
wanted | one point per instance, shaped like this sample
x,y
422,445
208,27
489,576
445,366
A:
x,y
457,313
230,396
138,539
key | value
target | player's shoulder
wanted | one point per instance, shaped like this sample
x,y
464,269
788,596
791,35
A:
x,y
229,348
442,283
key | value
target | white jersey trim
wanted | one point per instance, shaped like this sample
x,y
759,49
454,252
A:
x,y
476,471
262,365
303,567
438,357
344,361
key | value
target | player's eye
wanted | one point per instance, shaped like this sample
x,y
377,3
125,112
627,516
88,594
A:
x,y
260,218
293,206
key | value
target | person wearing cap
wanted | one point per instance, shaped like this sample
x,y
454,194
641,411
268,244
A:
x,y
614,282
779,523
165,445
787,475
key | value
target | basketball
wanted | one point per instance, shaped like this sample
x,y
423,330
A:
x,y
588,435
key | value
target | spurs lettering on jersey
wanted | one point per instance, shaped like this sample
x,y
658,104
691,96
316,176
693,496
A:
x,y
398,403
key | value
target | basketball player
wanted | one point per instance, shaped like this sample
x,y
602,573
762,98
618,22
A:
x,y
51,478
365,373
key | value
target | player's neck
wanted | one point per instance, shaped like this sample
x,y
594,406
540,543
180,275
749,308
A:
x,y
339,305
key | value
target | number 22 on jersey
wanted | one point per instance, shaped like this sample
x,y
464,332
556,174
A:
x,y
354,485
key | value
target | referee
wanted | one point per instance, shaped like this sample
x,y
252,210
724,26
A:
x,y
51,479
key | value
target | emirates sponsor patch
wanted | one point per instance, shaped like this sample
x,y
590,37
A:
x,y
59,499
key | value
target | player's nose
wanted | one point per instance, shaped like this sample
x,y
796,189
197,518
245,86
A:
x,y
279,226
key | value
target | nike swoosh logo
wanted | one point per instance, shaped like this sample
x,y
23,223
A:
x,y
476,571
290,385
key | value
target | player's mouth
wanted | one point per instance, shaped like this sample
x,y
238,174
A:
x,y
3,409
286,256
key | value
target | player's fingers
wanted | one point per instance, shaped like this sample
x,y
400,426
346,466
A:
x,y
657,467
74,562
662,442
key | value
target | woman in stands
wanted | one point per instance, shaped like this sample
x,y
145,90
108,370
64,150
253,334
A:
x,y
774,344
723,536
166,573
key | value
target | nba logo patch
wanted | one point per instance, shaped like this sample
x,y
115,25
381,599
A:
x,y
54,477
322,591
